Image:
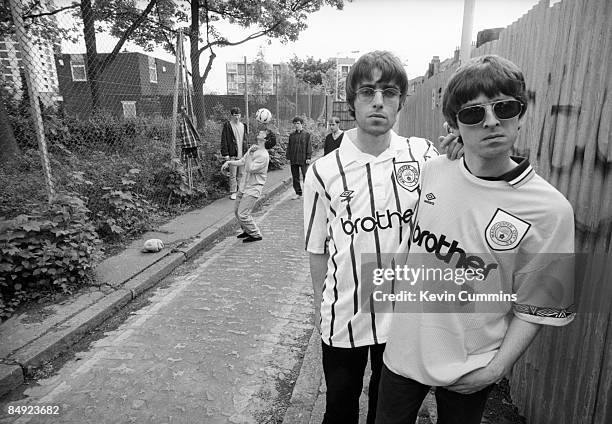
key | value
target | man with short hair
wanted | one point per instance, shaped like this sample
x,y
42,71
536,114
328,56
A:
x,y
334,138
233,147
255,162
491,214
299,152
359,200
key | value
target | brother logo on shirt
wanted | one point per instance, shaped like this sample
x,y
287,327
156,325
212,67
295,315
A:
x,y
381,221
434,244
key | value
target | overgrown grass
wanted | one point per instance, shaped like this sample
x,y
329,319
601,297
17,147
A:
x,y
114,179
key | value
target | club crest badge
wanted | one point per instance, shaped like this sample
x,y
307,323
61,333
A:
x,y
505,231
407,174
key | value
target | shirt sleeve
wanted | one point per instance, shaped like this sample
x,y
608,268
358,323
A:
x,y
544,284
315,213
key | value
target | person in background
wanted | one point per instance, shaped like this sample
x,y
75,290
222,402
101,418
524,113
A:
x,y
233,146
255,163
299,152
334,138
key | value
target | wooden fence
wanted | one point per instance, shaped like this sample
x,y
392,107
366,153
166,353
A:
x,y
565,52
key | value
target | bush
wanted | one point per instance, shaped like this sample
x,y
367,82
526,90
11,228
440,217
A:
x,y
50,249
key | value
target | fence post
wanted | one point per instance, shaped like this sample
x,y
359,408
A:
x,y
28,62
177,75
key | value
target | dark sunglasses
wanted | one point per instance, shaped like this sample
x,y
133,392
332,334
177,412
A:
x,y
503,109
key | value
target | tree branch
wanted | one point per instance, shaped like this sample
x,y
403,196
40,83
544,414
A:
x,y
108,59
53,12
211,58
236,43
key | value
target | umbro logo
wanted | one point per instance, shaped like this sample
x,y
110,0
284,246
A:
x,y
429,198
346,195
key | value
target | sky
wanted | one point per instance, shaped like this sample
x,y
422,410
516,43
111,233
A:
x,y
415,30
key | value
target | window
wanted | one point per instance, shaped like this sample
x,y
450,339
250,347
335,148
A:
x,y
3,46
129,109
78,72
241,68
152,70
345,70
163,68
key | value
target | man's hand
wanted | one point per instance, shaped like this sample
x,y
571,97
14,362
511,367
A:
x,y
307,161
226,158
450,145
225,166
477,380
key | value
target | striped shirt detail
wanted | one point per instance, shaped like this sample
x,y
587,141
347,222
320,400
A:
x,y
359,211
312,216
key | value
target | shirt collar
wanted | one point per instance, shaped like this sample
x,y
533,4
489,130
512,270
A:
x,y
516,177
350,153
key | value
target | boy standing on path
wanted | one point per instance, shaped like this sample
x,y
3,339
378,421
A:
x,y
233,147
491,214
361,198
334,138
255,163
299,151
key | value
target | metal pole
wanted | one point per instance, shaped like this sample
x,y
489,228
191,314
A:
x,y
297,86
466,32
246,95
177,69
28,62
337,77
277,109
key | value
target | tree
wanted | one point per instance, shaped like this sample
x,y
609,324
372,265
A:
x,y
311,71
260,72
282,19
126,22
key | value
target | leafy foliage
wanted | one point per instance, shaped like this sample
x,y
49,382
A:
x,y
311,71
51,248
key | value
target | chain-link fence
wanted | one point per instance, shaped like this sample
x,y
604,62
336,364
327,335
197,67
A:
x,y
106,143
103,122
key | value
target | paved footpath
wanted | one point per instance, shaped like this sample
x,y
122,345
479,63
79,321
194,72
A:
x,y
222,342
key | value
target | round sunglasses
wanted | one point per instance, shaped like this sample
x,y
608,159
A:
x,y
503,109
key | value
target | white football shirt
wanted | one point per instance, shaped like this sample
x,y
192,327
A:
x,y
359,206
520,230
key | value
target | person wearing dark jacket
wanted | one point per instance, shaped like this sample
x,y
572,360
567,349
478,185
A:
x,y
299,151
334,138
233,147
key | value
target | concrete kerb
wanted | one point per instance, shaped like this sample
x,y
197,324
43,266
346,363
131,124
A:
x,y
59,338
307,385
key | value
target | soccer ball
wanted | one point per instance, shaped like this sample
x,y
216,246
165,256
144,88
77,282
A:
x,y
263,115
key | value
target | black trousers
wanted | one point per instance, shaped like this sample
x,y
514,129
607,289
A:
x,y
399,400
344,369
295,173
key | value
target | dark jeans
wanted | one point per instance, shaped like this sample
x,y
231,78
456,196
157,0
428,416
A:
x,y
344,369
295,173
399,400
